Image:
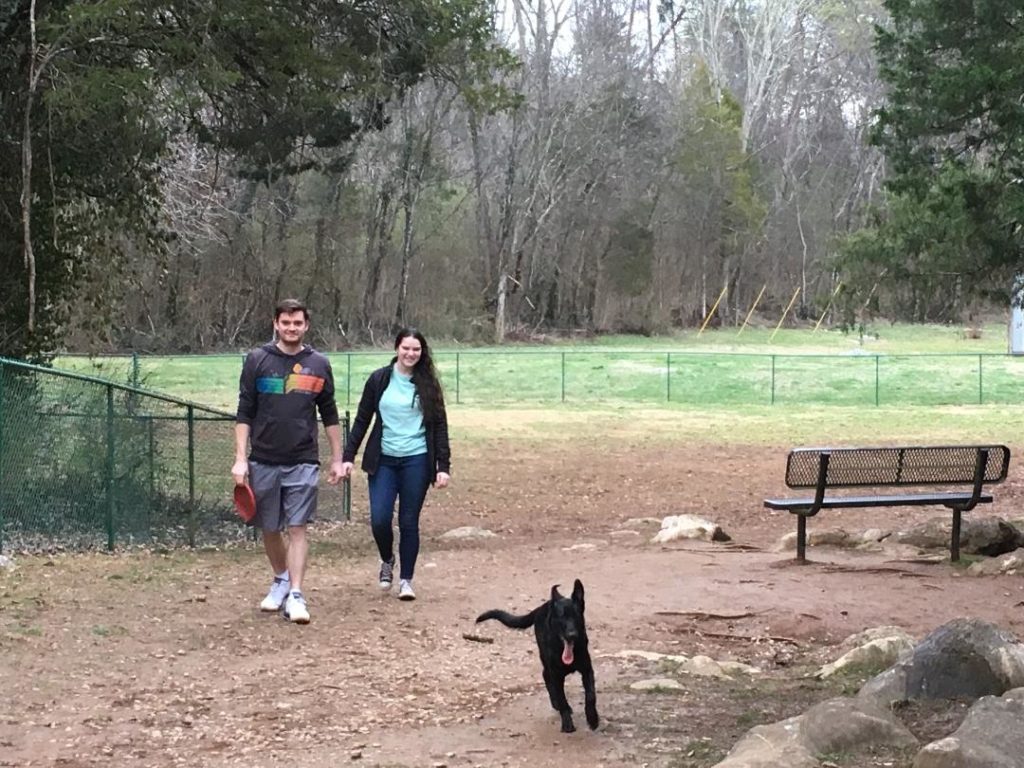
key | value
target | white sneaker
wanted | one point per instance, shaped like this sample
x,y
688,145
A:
x,y
387,574
405,590
295,608
278,592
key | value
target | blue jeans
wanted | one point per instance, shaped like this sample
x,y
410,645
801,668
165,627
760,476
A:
x,y
406,478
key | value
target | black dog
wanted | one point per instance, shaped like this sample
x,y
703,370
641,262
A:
x,y
562,642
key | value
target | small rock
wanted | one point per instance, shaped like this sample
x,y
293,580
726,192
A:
x,y
657,684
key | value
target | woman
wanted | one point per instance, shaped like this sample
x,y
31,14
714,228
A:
x,y
406,453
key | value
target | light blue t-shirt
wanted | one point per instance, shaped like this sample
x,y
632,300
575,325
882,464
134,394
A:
x,y
404,434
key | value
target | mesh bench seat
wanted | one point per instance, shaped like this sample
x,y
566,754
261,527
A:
x,y
970,467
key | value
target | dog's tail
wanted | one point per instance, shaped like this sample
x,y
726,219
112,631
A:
x,y
506,618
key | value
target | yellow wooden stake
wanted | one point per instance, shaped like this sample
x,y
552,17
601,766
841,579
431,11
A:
x,y
752,308
783,318
829,304
712,312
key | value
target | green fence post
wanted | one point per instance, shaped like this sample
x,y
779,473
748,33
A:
x,y
457,380
981,395
135,370
668,377
346,488
773,380
1,456
191,476
563,377
152,450
109,480
877,358
348,378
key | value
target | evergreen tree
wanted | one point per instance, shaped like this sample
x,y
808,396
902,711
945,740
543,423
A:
x,y
953,135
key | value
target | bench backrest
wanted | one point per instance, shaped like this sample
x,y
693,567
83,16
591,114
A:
x,y
893,466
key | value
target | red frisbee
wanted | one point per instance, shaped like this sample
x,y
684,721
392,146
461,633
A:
x,y
245,502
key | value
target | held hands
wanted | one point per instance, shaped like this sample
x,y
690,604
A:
x,y
343,469
338,471
240,471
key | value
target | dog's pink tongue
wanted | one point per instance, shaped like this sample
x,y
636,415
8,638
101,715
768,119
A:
x,y
567,652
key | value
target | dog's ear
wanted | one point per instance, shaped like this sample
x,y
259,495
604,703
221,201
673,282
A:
x,y
577,594
555,594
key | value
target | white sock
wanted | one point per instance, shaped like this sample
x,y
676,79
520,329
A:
x,y
283,575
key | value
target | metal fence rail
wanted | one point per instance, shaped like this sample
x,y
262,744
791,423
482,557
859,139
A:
x,y
90,463
580,376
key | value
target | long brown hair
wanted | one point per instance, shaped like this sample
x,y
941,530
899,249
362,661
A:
x,y
424,377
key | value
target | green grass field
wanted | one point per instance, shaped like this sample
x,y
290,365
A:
x,y
892,365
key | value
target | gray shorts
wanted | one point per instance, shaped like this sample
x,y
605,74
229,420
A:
x,y
285,494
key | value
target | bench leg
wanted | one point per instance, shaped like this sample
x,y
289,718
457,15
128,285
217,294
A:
x,y
801,539
954,544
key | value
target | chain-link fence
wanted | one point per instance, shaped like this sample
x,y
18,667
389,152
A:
x,y
591,376
90,463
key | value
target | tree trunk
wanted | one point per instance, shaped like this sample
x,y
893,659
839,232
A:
x,y
409,201
499,313
485,232
26,172
377,249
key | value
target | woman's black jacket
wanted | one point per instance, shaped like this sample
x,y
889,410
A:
x,y
438,450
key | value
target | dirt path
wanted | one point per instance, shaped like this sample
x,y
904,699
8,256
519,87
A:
x,y
162,659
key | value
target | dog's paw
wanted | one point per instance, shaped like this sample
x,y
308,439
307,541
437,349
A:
x,y
592,719
568,728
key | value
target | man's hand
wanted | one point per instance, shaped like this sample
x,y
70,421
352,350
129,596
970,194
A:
x,y
240,471
347,468
336,472
441,481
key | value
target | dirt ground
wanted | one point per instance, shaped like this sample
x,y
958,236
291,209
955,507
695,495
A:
x,y
162,658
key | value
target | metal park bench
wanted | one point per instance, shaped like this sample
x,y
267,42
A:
x,y
824,469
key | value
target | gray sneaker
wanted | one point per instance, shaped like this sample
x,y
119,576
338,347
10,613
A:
x,y
275,597
405,590
387,574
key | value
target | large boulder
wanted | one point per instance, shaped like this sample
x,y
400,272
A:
x,y
689,527
771,746
990,736
875,633
836,725
701,666
835,537
842,725
1011,563
989,536
965,658
978,535
877,653
930,534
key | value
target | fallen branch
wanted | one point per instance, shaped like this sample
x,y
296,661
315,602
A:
x,y
875,569
703,615
920,560
730,636
317,688
477,638
718,550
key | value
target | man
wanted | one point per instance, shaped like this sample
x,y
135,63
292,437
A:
x,y
282,386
